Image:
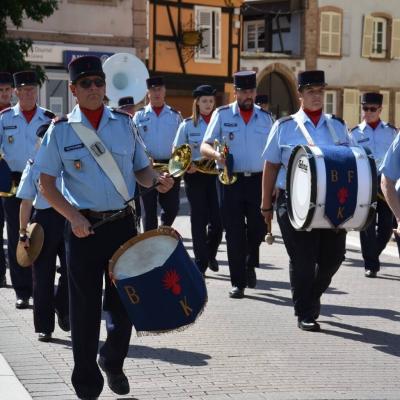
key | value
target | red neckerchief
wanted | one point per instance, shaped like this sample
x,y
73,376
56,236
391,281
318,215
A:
x,y
4,107
313,115
206,118
29,114
94,116
373,125
246,114
157,110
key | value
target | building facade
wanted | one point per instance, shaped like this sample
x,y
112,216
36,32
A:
x,y
82,27
356,43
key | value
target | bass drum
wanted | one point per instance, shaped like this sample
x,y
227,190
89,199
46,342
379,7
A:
x,y
308,194
159,285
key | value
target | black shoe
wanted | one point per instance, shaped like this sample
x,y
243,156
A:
x,y
213,265
3,282
44,337
21,304
251,277
63,322
236,293
370,274
117,382
308,324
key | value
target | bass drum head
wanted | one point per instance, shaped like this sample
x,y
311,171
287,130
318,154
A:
x,y
301,194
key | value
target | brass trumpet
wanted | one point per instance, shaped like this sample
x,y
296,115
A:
x,y
226,176
179,162
206,166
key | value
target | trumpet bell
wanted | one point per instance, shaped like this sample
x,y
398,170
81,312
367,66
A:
x,y
180,160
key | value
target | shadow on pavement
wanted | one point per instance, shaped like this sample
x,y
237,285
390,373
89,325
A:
x,y
173,356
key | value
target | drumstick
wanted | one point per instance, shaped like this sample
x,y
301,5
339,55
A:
x,y
270,237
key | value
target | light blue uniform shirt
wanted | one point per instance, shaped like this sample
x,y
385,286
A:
x,y
390,166
86,185
18,138
158,132
285,135
377,140
193,135
28,188
245,141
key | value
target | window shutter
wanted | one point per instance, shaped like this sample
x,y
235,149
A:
x,y
351,107
385,105
395,44
336,32
367,36
397,109
204,23
324,33
217,23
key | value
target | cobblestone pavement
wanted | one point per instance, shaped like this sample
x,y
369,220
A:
x,y
242,349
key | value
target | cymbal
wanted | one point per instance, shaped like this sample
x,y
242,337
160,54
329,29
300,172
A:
x,y
27,256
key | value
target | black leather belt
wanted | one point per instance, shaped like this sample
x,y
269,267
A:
x,y
106,214
248,174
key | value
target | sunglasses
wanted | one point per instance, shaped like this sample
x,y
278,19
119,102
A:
x,y
87,83
372,109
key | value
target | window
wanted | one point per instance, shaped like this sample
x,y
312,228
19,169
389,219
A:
x,y
254,35
395,43
351,107
330,102
374,37
330,34
208,20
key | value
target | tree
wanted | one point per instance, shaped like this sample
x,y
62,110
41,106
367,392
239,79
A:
x,y
14,51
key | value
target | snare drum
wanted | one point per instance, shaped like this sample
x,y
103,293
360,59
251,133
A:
x,y
331,187
159,285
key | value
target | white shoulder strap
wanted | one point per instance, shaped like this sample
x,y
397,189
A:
x,y
102,156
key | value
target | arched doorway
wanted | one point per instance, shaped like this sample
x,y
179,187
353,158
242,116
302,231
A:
x,y
278,89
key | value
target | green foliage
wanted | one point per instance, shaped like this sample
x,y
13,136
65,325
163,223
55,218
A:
x,y
13,51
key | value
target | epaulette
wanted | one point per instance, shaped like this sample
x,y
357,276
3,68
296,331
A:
x,y
391,126
175,111
61,118
266,112
338,118
285,119
122,112
223,108
353,129
30,161
188,119
49,114
5,110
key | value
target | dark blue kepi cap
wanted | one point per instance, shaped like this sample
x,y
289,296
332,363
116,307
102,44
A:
x,y
262,99
126,101
311,78
6,78
154,81
372,98
245,80
85,66
204,90
25,78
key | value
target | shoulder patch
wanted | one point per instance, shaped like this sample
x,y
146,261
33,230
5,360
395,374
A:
x,y
62,118
338,118
5,110
285,119
223,108
391,126
122,112
49,114
188,119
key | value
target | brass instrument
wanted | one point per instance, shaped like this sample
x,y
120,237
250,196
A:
x,y
206,166
179,162
226,176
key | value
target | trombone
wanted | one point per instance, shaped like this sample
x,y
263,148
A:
x,y
226,176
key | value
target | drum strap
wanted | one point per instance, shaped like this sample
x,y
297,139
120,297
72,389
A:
x,y
307,135
103,158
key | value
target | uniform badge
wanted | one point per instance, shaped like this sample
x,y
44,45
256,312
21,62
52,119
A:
x,y
10,139
78,164
231,135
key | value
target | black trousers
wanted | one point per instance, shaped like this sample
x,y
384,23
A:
x,y
244,225
314,257
2,255
169,203
21,278
375,238
46,299
87,265
205,217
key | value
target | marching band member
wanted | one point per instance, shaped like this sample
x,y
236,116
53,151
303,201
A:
x,y
314,255
262,100
244,127
46,301
6,85
201,188
91,192
376,135
18,126
158,124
